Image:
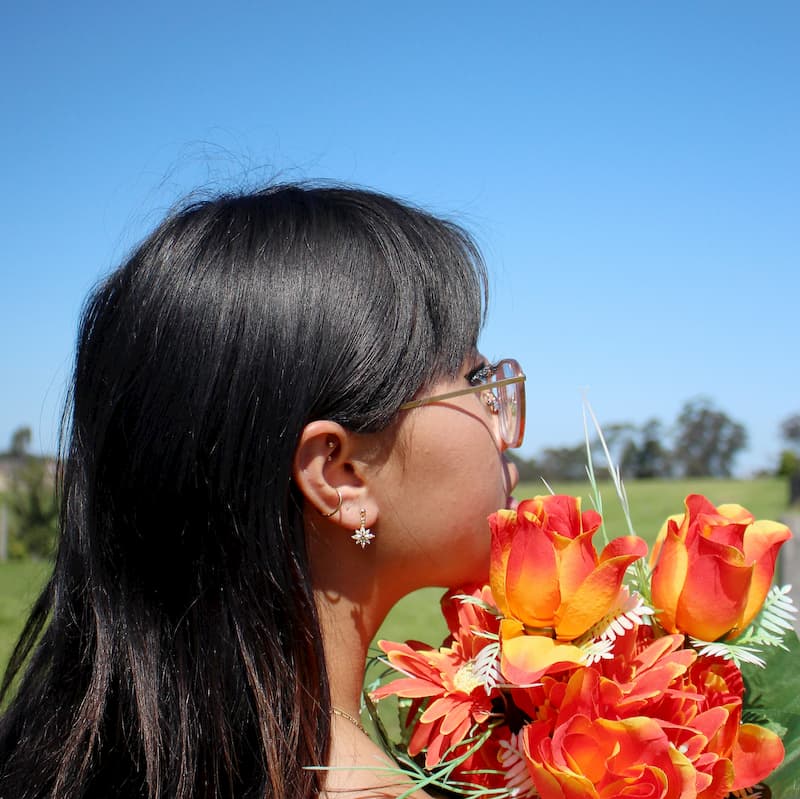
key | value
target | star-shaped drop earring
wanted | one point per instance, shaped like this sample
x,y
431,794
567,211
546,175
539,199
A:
x,y
363,535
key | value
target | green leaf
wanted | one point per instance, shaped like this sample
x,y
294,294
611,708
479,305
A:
x,y
773,699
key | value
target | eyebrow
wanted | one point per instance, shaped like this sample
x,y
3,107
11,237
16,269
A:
x,y
478,359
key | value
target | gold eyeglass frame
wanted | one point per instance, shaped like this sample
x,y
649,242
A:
x,y
476,389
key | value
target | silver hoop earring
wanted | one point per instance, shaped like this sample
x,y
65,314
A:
x,y
338,505
363,535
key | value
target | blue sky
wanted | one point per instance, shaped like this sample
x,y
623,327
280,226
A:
x,y
629,169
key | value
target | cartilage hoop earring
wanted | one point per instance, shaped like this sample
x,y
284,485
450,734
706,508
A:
x,y
338,505
363,535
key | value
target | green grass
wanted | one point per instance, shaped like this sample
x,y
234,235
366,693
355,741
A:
x,y
652,501
20,583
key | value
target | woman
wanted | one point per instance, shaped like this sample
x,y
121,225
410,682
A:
x,y
259,464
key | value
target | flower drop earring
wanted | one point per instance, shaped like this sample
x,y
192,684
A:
x,y
363,535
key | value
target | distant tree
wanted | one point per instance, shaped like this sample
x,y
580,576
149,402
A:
x,y
790,430
646,457
789,463
563,463
619,436
706,440
32,502
20,441
529,469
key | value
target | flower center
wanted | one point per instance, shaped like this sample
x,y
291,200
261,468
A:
x,y
466,680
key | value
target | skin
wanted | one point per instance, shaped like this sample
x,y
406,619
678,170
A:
x,y
427,487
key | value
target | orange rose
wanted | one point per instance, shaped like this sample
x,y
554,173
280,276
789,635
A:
x,y
712,568
703,708
545,572
657,716
550,584
582,755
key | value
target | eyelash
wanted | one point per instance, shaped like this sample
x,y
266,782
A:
x,y
475,377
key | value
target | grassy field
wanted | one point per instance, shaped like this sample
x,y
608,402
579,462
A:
x,y
417,615
20,583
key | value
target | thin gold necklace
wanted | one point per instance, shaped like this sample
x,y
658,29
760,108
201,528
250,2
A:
x,y
348,717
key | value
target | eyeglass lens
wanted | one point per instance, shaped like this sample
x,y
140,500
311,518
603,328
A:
x,y
510,404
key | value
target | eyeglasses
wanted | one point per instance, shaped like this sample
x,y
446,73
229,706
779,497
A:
x,y
504,387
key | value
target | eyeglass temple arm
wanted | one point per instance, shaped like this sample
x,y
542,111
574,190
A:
x,y
506,381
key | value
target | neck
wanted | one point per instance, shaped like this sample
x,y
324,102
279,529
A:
x,y
349,623
357,766
353,595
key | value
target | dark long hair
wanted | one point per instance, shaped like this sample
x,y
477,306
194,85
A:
x,y
176,651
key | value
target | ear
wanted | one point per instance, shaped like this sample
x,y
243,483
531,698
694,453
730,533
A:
x,y
326,468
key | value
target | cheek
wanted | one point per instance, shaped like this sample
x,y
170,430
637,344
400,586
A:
x,y
453,503
449,481
481,475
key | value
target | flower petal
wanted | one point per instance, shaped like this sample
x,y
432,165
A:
x,y
526,658
756,754
576,560
598,592
713,598
669,575
503,526
532,589
762,541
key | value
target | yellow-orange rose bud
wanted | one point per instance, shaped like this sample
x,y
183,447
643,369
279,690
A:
x,y
712,568
545,572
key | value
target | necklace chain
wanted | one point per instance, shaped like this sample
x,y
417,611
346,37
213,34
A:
x,y
348,717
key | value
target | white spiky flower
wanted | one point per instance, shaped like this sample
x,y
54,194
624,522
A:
x,y
487,666
595,651
630,612
518,779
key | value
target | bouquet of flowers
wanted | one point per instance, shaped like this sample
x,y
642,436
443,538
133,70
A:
x,y
575,674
